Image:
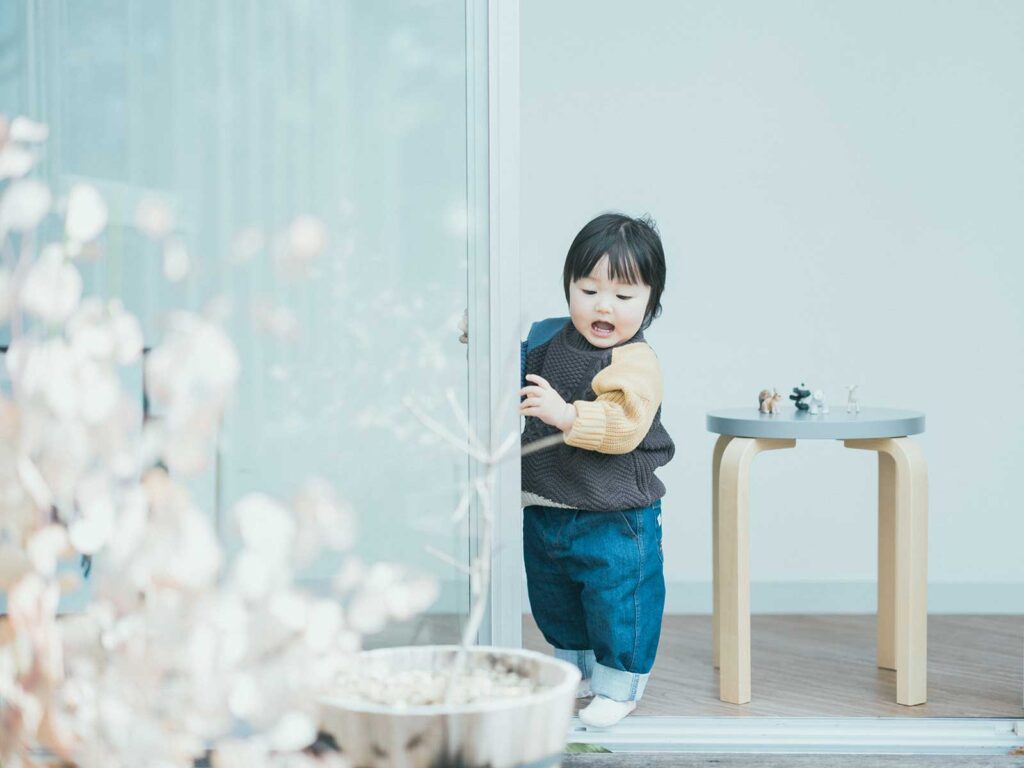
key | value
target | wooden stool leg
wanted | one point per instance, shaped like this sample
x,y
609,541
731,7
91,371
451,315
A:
x,y
716,465
886,623
734,563
909,500
911,573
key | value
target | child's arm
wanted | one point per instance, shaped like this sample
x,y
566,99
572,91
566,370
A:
x,y
629,392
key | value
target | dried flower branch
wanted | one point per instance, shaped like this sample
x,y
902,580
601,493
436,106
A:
x,y
181,651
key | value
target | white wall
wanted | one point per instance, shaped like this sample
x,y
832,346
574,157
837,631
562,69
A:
x,y
840,190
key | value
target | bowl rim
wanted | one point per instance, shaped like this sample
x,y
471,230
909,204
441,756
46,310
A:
x,y
554,692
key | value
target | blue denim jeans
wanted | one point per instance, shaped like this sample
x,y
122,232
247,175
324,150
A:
x,y
597,591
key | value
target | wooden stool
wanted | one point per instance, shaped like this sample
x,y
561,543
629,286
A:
x,y
902,534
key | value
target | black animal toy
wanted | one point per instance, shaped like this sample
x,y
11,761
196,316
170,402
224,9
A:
x,y
800,394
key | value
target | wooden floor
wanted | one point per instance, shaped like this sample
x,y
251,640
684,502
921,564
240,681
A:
x,y
824,666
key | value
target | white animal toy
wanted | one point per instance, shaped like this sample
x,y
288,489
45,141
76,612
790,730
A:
x,y
818,404
852,403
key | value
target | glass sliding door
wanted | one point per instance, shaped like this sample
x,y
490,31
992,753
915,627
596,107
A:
x,y
317,173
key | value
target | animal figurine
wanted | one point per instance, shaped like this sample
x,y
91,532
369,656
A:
x,y
852,403
818,404
768,401
800,394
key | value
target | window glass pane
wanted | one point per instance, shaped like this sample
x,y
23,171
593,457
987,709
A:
x,y
312,157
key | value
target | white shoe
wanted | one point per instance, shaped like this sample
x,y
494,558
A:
x,y
583,691
603,712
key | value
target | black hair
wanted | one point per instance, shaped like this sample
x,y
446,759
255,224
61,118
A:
x,y
634,251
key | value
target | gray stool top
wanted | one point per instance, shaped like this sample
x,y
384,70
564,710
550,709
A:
x,y
835,425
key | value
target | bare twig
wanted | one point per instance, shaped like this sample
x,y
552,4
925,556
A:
x,y
542,444
446,558
441,431
460,416
480,568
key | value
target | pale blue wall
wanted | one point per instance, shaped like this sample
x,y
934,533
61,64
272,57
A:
x,y
840,189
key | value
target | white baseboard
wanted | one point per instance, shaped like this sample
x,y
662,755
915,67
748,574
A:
x,y
849,597
845,597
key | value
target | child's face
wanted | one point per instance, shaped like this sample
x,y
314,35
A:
x,y
607,312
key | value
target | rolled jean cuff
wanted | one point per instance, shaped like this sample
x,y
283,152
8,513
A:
x,y
584,660
618,684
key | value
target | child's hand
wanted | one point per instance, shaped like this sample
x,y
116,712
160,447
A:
x,y
545,404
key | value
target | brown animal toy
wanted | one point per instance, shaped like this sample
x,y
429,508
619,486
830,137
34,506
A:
x,y
768,401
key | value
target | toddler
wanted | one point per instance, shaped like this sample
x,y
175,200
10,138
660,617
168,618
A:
x,y
592,517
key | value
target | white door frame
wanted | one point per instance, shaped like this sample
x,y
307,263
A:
x,y
505,621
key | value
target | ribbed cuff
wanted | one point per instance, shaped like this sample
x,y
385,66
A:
x,y
588,431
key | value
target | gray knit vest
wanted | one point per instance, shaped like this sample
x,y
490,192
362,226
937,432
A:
x,y
574,477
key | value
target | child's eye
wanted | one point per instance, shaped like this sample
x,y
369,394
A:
x,y
624,298
589,293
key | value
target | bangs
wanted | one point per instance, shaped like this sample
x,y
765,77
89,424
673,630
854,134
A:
x,y
612,242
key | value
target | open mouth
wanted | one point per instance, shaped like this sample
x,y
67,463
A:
x,y
601,328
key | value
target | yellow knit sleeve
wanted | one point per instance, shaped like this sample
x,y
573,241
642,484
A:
x,y
629,392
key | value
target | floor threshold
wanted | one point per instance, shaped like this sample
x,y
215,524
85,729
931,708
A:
x,y
797,735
